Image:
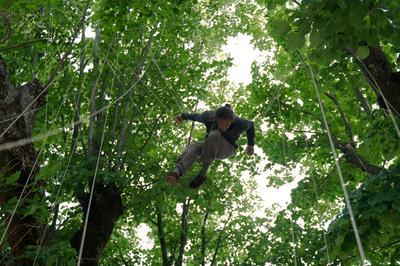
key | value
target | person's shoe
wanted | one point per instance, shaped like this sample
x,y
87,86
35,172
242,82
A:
x,y
197,181
172,179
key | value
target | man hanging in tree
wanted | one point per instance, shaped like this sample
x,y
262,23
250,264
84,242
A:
x,y
223,129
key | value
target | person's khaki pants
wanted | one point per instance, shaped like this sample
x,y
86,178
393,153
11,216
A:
x,y
215,146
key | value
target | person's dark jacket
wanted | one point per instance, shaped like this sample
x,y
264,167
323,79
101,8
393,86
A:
x,y
238,126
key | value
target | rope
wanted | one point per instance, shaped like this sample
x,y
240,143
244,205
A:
x,y
346,196
91,194
317,198
22,199
174,94
55,73
285,165
30,174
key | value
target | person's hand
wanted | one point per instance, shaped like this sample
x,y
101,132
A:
x,y
250,150
178,120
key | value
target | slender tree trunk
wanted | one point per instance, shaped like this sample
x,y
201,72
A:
x,y
355,159
92,151
184,229
345,121
77,107
219,241
203,238
138,69
107,204
363,101
161,237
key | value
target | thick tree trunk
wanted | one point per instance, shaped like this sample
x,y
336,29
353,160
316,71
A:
x,y
23,159
380,75
105,210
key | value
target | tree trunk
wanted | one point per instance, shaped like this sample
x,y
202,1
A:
x,y
23,159
92,140
183,236
220,240
380,74
203,238
105,210
161,237
106,203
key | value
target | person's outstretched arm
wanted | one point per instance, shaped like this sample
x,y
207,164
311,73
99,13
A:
x,y
202,117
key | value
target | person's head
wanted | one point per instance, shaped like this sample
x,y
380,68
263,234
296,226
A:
x,y
224,117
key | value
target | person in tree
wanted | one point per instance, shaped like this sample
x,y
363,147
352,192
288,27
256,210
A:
x,y
223,129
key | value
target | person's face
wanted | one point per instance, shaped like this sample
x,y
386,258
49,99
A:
x,y
224,124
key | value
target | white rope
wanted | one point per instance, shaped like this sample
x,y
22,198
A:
x,y
283,135
91,194
174,94
13,144
317,198
30,174
20,197
63,176
342,183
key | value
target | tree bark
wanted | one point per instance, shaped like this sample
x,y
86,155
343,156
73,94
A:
x,y
92,148
107,204
161,237
355,159
203,238
184,229
346,123
219,241
377,70
124,125
23,159
105,210
363,101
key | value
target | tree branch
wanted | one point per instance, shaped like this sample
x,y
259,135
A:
x,y
161,238
219,241
355,159
346,123
203,238
183,236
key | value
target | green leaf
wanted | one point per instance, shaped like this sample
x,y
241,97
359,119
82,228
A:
x,y
363,52
295,40
315,38
342,3
282,29
12,179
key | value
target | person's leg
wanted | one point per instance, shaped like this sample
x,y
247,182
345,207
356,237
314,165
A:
x,y
214,147
188,157
185,161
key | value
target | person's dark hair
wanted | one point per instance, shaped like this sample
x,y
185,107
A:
x,y
225,112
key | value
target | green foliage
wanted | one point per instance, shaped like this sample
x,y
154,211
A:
x,y
184,65
376,208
